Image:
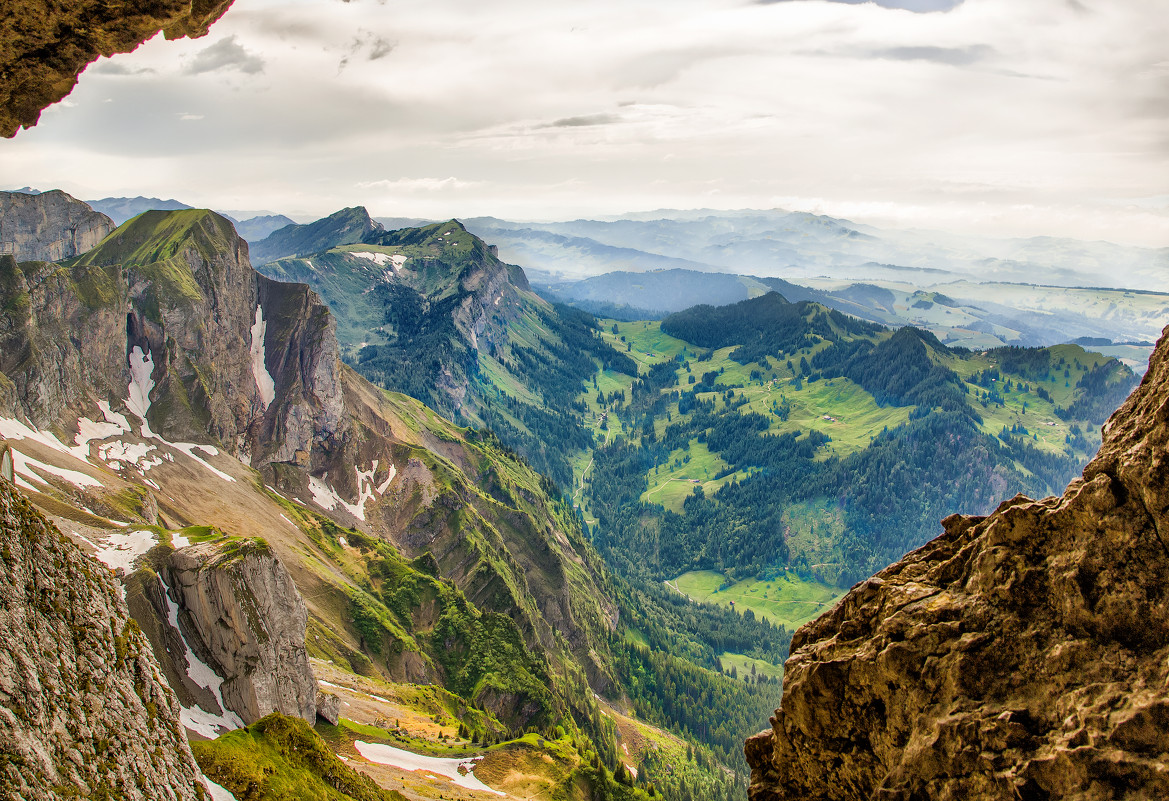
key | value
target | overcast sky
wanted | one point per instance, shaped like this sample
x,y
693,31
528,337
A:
x,y
994,116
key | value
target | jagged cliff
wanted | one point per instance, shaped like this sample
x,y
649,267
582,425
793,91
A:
x,y
170,306
84,709
1021,655
45,45
49,227
248,615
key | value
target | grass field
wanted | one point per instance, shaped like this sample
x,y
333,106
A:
x,y
743,665
785,600
671,483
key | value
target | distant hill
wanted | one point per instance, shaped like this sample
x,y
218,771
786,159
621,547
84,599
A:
x,y
799,246
254,229
344,227
120,209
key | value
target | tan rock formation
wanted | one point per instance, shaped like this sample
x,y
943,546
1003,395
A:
x,y
44,45
84,710
1024,655
50,226
245,617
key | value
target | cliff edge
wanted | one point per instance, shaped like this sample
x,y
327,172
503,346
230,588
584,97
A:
x,y
1024,655
84,710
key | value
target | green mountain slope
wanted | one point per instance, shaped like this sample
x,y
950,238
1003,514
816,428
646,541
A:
x,y
768,435
432,312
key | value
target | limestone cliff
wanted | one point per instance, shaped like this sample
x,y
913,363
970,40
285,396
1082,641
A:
x,y
169,304
83,707
50,226
1024,655
242,610
44,45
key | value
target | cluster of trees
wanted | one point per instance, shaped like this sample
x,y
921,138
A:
x,y
763,326
1099,392
707,706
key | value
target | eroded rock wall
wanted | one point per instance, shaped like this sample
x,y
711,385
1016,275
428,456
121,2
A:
x,y
83,706
241,609
1024,655
50,226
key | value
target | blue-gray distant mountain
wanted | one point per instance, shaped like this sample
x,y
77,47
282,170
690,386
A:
x,y
254,229
120,209
798,245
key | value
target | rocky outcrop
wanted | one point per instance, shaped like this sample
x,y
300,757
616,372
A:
x,y
1021,655
50,226
83,708
244,617
45,45
329,707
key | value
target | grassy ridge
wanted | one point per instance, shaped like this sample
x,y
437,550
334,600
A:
x,y
278,758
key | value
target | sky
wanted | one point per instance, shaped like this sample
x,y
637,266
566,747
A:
x,y
999,117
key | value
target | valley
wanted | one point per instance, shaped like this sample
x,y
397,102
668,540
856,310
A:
x,y
573,550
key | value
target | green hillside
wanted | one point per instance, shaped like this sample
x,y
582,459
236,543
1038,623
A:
x,y
774,435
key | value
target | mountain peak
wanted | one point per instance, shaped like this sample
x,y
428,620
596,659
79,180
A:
x,y
155,236
347,226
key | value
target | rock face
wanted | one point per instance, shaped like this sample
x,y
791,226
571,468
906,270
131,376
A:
x,y
242,613
83,708
45,45
1021,655
50,226
170,304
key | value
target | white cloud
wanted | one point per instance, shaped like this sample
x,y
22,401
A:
x,y
226,54
1038,116
417,184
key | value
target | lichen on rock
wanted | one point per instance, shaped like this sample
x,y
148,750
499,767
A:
x,y
84,710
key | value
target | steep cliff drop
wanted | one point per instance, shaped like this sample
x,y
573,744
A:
x,y
84,710
1024,655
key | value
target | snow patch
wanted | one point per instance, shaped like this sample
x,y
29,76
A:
x,y
452,769
179,541
14,429
327,498
264,381
121,549
377,258
189,449
196,718
385,485
141,368
132,452
217,792
398,260
89,430
26,465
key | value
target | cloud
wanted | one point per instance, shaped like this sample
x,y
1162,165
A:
x,y
954,56
417,184
226,54
546,109
919,6
109,67
583,121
